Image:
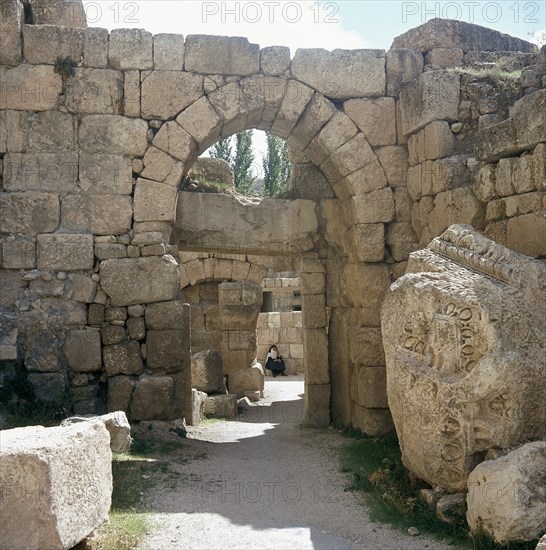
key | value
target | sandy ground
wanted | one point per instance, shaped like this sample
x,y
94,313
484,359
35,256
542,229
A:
x,y
265,482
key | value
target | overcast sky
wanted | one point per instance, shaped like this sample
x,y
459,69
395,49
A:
x,y
310,24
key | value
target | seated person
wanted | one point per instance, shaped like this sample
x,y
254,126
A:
x,y
274,362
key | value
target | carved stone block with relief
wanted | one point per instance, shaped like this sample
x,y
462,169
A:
x,y
464,336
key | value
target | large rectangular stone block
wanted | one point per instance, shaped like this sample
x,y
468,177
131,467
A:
x,y
42,351
527,234
341,74
8,338
315,356
11,17
454,33
402,66
83,350
92,91
221,55
29,88
50,131
65,252
371,421
154,201
168,52
370,178
529,116
97,214
102,174
53,172
402,240
317,405
155,399
172,138
19,254
434,96
131,281
13,137
115,135
366,346
317,113
375,117
497,141
49,387
28,213
131,49
374,207
275,60
367,241
221,406
11,286
123,358
241,340
167,315
337,131
43,44
60,13
165,93
366,284
131,94
313,310
312,283
61,475
120,392
201,121
95,47
167,350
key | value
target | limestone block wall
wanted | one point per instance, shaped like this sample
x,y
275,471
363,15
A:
x,y
285,293
201,275
91,213
511,180
283,329
479,157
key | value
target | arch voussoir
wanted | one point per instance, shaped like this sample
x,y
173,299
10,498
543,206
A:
x,y
318,112
230,104
177,142
296,99
201,121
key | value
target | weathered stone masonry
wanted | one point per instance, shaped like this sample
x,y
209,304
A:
x,y
92,220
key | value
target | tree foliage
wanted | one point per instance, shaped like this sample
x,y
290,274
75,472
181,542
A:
x,y
276,166
222,150
242,163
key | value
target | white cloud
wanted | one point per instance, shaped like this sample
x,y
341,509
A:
x,y
302,24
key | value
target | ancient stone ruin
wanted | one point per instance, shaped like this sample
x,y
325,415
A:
x,y
113,273
462,331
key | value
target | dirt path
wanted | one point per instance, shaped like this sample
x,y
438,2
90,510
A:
x,y
265,482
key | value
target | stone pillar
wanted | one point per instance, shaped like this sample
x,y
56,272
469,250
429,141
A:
x,y
240,304
315,342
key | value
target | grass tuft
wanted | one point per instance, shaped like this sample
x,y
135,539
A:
x,y
135,473
65,66
391,496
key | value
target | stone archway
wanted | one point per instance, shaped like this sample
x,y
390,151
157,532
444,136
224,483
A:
x,y
165,100
312,125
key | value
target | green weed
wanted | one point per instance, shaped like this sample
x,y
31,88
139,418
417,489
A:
x,y
65,66
391,496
